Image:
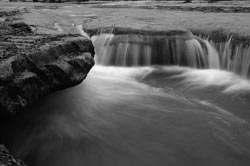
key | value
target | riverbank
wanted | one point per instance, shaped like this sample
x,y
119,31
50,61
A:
x,y
33,65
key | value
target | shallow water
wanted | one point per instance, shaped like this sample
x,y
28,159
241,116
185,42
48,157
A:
x,y
138,116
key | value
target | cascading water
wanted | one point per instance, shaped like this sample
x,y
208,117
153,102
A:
x,y
160,111
145,50
235,59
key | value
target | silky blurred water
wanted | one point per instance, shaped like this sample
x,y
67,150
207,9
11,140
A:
x,y
138,116
143,116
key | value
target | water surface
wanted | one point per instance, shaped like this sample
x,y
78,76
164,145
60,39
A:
x,y
138,116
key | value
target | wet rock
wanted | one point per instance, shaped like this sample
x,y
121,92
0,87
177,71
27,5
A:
x,y
21,27
36,65
33,65
129,31
6,159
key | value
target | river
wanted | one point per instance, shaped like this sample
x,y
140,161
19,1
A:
x,y
138,116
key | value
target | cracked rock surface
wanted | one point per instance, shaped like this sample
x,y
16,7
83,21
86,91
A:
x,y
34,65
6,159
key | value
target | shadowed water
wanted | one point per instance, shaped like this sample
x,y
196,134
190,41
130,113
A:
x,y
138,116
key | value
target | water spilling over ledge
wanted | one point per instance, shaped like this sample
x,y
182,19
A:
x,y
142,116
170,48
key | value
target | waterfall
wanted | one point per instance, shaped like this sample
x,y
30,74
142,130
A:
x,y
235,59
145,50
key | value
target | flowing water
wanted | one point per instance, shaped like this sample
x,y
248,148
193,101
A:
x,y
142,104
183,50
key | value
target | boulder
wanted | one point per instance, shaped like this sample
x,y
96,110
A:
x,y
35,65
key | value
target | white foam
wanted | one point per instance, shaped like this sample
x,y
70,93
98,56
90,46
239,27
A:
x,y
230,82
128,77
80,30
58,27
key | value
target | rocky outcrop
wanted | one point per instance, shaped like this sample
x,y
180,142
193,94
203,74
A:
x,y
6,159
134,31
34,65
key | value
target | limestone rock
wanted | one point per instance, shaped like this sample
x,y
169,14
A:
x,y
34,65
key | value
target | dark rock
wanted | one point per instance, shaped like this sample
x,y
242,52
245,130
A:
x,y
21,27
39,65
130,31
6,159
34,65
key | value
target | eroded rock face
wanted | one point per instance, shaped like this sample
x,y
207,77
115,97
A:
x,y
6,159
34,65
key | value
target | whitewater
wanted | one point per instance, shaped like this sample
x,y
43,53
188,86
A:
x,y
139,108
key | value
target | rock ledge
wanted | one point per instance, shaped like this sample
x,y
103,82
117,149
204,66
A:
x,y
33,65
